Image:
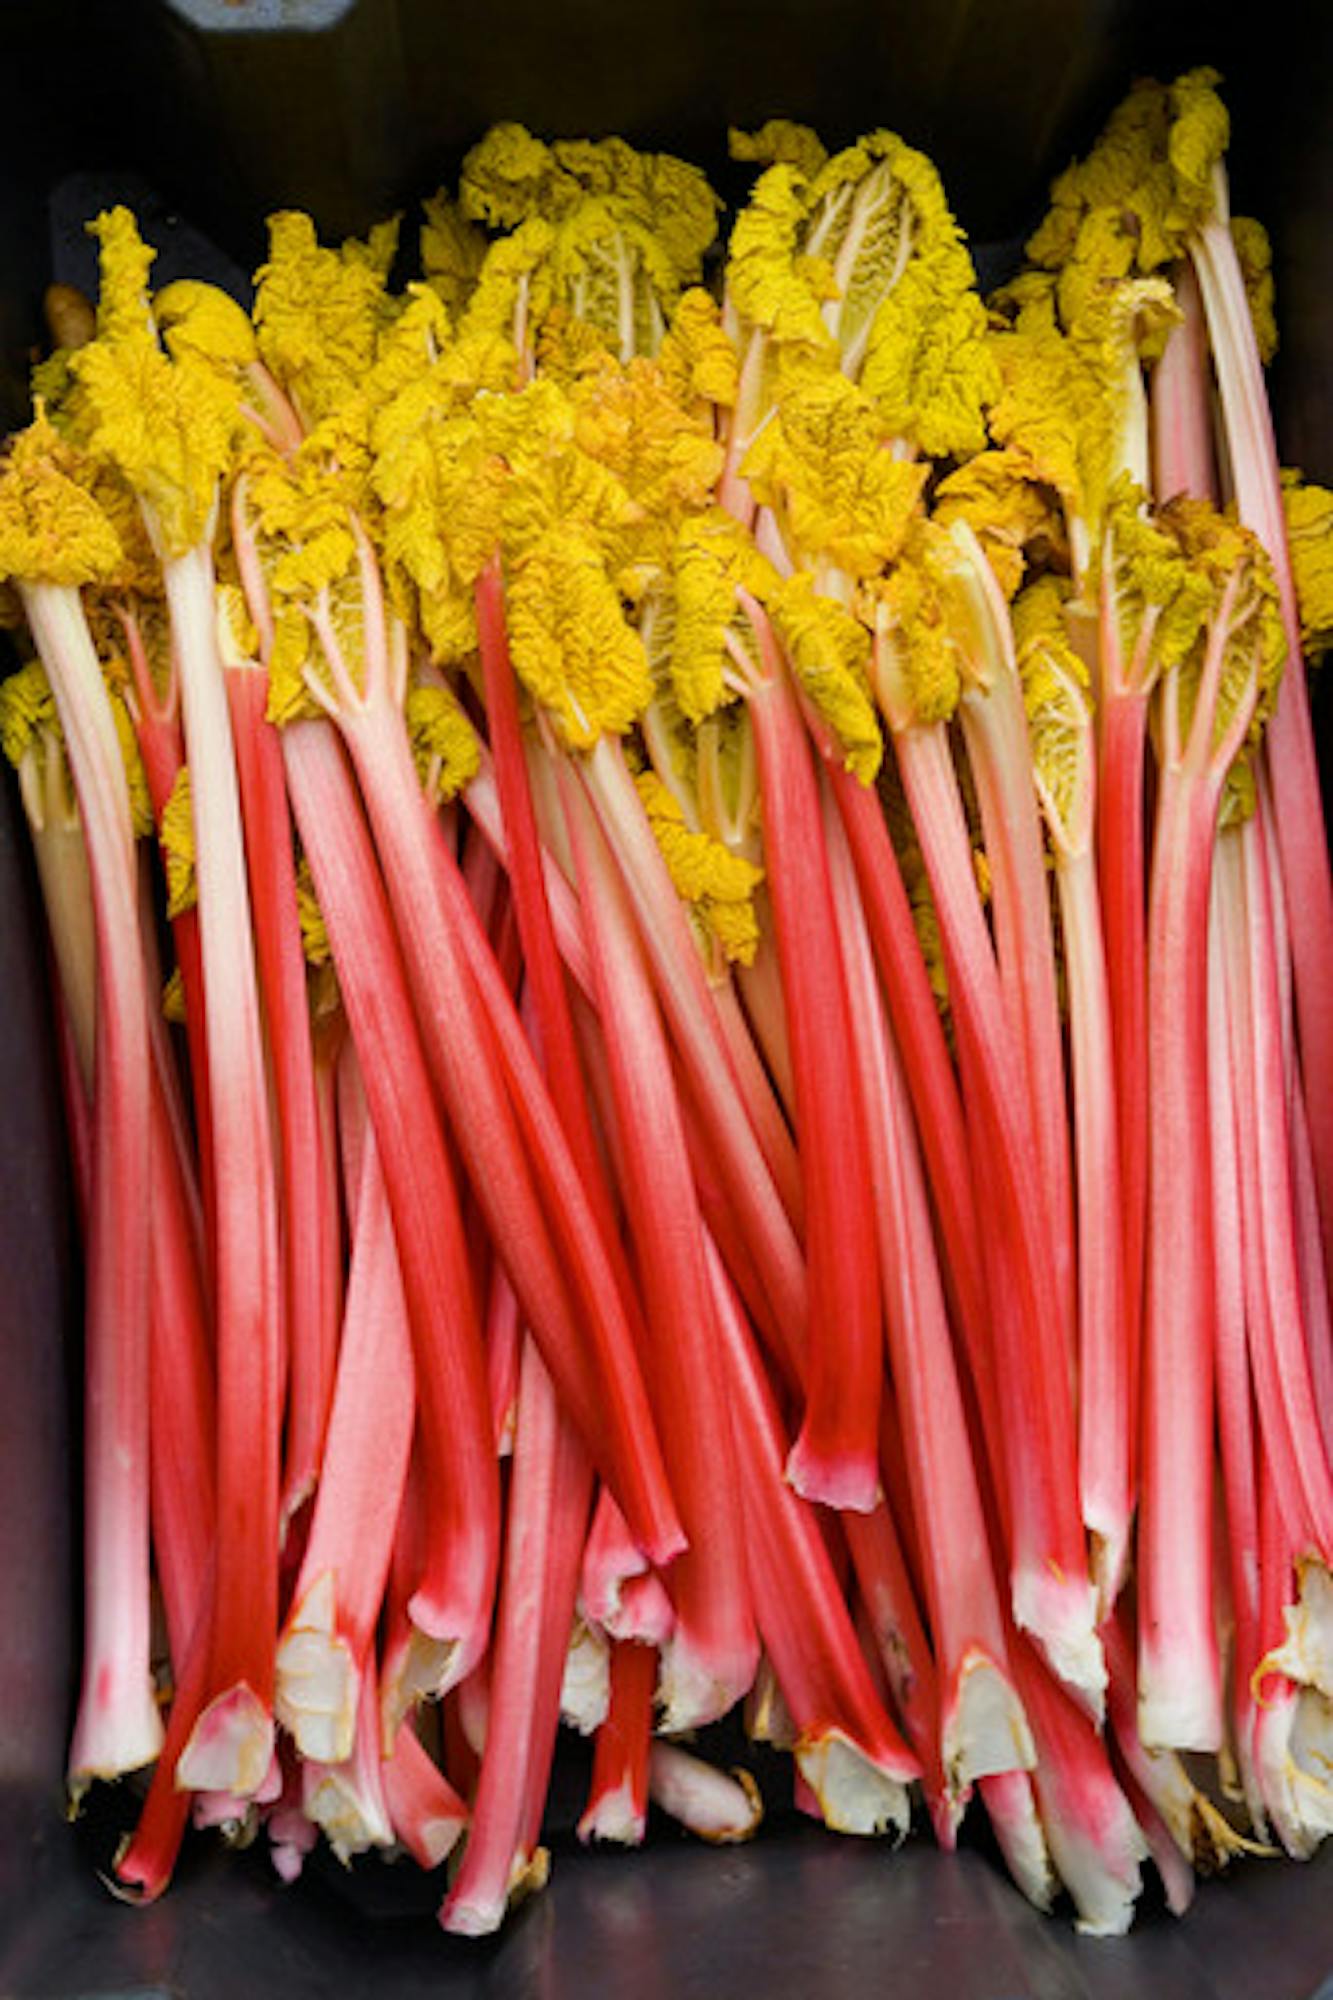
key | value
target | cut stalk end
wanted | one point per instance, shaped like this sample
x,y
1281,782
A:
x,y
845,1480
855,1796
230,1747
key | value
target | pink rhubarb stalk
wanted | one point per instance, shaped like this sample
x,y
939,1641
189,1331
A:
x,y
310,1301
425,1811
710,1659
117,1727
981,1718
1031,1396
231,1746
1179,1682
451,1605
336,1600
847,1749
835,1457
550,1495
501,1114
617,1808
1289,750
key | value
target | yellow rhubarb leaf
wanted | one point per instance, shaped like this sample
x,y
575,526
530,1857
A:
x,y
717,885
1309,512
573,647
829,651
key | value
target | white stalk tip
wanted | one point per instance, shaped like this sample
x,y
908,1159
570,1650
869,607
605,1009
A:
x,y
854,1795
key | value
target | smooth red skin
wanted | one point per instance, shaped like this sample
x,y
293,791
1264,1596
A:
x,y
456,1594
162,751
919,1034
835,1457
706,1583
1289,745
620,1750
417,1793
546,1528
147,1860
799,1604
311,1303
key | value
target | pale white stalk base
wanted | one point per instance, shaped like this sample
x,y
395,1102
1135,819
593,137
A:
x,y
718,1806
854,1797
585,1690
530,1873
317,1685
987,1732
120,1731
1306,1654
693,1691
1060,1614
767,1717
349,1812
614,1818
1203,1834
421,1671
230,1747
1174,1712
1012,1808
1293,1742
1104,1876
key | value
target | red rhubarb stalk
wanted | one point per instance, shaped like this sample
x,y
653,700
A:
x,y
231,1745
1050,1593
1289,743
311,1304
981,1719
710,1659
337,1596
425,1811
1179,1681
847,1749
117,1727
617,1808
501,1115
835,1457
550,1494
451,1606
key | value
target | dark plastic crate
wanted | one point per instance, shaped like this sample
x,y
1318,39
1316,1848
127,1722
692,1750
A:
x,y
218,110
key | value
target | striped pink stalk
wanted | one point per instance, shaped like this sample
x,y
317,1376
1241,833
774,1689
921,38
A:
x,y
1179,1683
1026,1394
617,1808
335,1603
310,1299
231,1745
709,1660
550,1495
1289,748
451,1605
835,1457
117,1727
981,1722
847,1748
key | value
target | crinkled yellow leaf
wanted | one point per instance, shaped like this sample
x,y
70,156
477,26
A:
x,y
718,885
712,559
1153,166
1015,518
176,834
1057,698
774,287
572,646
444,743
1309,511
27,711
194,318
511,177
452,249
825,465
696,356
52,527
779,142
314,937
829,651
319,311
168,427
1254,253
1151,572
136,778
173,998
916,665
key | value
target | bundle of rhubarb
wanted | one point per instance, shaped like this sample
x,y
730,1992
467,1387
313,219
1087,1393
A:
x,y
692,947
